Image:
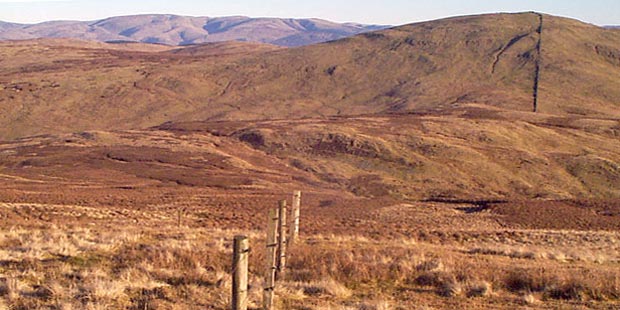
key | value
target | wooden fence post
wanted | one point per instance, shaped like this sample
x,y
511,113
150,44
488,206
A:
x,y
295,212
281,240
272,248
240,273
179,215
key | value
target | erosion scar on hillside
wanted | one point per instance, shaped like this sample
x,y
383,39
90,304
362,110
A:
x,y
512,42
538,61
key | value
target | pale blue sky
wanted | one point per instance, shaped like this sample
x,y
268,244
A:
x,y
393,12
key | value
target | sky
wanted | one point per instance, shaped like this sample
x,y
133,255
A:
x,y
385,12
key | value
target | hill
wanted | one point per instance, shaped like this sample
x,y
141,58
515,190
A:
x,y
452,109
495,60
472,153
465,163
185,30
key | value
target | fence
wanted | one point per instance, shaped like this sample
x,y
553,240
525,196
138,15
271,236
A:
x,y
277,242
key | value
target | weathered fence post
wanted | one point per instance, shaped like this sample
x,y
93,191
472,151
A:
x,y
179,215
240,273
281,240
272,248
295,212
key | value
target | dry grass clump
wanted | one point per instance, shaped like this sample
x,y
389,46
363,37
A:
x,y
479,289
444,283
433,273
570,290
522,280
55,291
352,263
509,252
561,255
378,304
10,288
580,286
102,289
327,286
528,299
432,265
450,288
433,278
174,266
585,287
35,245
336,289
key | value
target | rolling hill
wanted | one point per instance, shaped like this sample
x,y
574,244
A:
x,y
503,106
501,61
185,30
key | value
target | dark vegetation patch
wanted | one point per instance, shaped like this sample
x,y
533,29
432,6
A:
x,y
369,186
608,53
577,214
472,205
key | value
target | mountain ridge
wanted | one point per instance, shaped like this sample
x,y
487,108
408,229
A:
x,y
184,30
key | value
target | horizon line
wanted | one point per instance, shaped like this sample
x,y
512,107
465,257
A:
x,y
302,18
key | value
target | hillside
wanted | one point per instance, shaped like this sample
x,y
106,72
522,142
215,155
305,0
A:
x,y
436,110
471,153
185,30
440,65
465,163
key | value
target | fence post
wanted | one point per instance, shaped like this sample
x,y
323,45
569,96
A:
x,y
272,248
281,240
240,273
179,215
295,212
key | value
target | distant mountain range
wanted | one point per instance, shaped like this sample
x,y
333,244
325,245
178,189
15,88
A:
x,y
185,30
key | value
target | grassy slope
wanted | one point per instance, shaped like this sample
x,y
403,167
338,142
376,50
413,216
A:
x,y
418,66
580,68
465,155
435,156
487,59
469,80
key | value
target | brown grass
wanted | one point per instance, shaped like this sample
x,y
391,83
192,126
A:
x,y
362,75
188,269
468,203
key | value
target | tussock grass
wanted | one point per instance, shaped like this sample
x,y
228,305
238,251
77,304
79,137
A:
x,y
189,269
479,289
562,255
586,285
